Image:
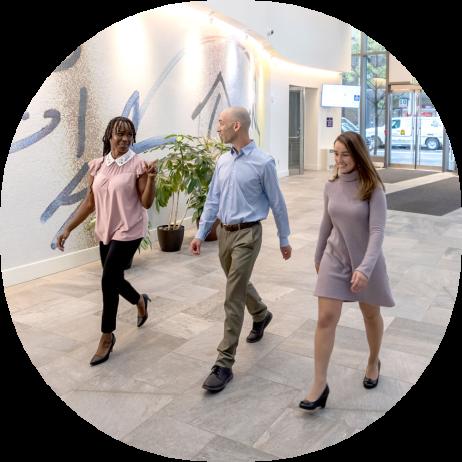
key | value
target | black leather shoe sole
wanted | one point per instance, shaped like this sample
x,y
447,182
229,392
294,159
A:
x,y
319,403
218,387
308,406
268,319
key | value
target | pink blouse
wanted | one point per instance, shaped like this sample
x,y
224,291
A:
x,y
120,215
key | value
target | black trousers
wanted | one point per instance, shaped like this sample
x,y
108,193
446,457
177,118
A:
x,y
115,257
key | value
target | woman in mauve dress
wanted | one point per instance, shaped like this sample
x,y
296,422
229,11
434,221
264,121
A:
x,y
349,260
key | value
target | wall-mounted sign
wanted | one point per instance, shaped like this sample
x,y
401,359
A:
x,y
340,95
329,121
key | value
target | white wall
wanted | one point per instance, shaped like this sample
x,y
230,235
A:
x,y
317,135
168,60
319,43
299,35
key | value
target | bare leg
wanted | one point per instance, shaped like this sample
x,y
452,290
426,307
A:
x,y
328,316
374,330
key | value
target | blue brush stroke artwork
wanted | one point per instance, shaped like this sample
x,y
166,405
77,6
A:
x,y
132,109
69,61
52,114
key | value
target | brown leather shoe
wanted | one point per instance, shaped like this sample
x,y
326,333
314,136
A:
x,y
259,328
100,359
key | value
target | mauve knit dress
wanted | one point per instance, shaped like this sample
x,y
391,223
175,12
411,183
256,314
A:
x,y
350,239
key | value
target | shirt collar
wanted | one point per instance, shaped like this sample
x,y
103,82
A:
x,y
245,150
120,160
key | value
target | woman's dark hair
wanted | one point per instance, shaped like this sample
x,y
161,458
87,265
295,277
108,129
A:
x,y
114,125
369,179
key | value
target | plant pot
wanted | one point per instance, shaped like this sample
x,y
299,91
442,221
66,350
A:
x,y
170,240
212,235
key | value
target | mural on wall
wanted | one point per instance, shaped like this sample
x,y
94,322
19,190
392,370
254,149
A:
x,y
177,78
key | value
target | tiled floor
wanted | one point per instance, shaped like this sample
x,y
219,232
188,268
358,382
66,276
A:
x,y
149,393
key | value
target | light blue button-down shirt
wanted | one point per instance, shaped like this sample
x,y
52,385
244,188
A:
x,y
243,188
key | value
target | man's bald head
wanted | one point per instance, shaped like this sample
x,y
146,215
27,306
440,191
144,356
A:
x,y
233,126
239,114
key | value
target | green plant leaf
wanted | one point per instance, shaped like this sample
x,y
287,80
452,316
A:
x,y
187,166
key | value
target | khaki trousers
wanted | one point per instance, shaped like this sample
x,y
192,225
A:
x,y
238,251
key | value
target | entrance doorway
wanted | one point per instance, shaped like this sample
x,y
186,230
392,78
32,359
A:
x,y
296,134
416,133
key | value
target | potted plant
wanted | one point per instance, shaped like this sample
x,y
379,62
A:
x,y
212,150
187,168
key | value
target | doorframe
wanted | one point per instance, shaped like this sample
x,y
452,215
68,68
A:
x,y
301,91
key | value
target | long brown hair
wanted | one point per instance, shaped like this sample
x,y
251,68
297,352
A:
x,y
113,124
369,179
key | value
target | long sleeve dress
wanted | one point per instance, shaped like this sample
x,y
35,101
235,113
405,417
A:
x,y
350,239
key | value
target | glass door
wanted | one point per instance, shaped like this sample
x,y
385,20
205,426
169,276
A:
x,y
449,160
431,135
402,129
296,122
416,131
452,166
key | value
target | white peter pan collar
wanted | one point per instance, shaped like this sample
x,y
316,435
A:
x,y
120,160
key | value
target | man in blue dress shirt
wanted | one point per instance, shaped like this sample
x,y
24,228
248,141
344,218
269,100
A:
x,y
243,188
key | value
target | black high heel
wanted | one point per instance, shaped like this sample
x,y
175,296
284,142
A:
x,y
142,319
100,359
370,383
320,402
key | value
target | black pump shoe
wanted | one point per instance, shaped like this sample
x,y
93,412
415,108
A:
x,y
320,402
100,359
142,319
370,383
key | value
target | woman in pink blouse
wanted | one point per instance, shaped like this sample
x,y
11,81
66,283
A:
x,y
120,189
349,260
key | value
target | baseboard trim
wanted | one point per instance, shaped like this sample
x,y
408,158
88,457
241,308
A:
x,y
64,262
38,269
